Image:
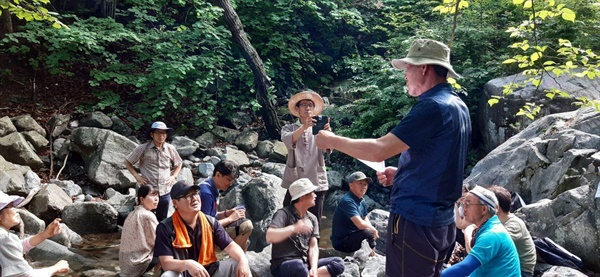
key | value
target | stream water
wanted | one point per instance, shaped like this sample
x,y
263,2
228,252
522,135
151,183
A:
x,y
104,248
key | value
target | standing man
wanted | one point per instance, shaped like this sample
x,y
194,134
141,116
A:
x,y
234,220
159,164
433,140
185,241
350,223
294,232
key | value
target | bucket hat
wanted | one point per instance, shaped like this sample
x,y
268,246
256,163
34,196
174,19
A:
x,y
159,125
301,187
427,51
306,95
359,176
6,199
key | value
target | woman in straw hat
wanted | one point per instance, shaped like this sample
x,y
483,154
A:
x,y
305,160
12,248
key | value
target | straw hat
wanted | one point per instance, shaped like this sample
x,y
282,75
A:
x,y
427,51
306,95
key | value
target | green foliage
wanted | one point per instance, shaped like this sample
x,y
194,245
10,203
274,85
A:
x,y
32,10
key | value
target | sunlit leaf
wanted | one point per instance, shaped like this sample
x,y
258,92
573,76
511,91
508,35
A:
x,y
493,101
508,61
568,14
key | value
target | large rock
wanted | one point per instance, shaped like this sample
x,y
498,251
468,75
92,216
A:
x,y
279,153
264,148
573,212
226,134
90,217
49,252
247,140
38,142
97,120
236,155
262,196
27,123
16,149
184,145
499,122
49,202
554,154
104,152
32,225
59,124
12,180
6,126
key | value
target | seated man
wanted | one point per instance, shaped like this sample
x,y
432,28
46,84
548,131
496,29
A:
x,y
234,220
517,230
185,241
294,232
493,252
350,224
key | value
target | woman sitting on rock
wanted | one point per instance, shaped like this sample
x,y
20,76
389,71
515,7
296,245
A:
x,y
138,235
12,248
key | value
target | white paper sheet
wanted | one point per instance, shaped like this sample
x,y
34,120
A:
x,y
377,166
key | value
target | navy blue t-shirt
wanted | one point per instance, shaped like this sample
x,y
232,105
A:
x,y
342,225
430,173
208,197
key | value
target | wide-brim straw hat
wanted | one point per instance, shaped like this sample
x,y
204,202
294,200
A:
x,y
306,95
427,51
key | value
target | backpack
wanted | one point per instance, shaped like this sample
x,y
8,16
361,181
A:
x,y
551,253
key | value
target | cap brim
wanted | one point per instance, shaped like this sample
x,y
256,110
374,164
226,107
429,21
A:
x,y
13,199
401,64
185,190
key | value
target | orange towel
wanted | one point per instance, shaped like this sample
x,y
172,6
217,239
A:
x,y
182,239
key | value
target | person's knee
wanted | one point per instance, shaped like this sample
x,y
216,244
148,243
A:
x,y
336,266
245,228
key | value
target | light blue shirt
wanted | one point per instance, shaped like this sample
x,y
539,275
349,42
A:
x,y
496,252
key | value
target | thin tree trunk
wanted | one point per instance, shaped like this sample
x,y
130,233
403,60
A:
x,y
261,82
5,23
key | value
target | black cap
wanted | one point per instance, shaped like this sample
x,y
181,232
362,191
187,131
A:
x,y
181,188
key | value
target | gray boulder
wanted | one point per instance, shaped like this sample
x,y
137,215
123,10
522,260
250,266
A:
x,y
90,217
279,153
562,271
499,122
184,145
32,225
27,123
226,134
206,140
264,148
554,154
276,169
573,212
238,156
247,141
6,126
68,186
16,149
12,178
59,124
50,252
38,142
49,202
104,152
120,127
96,120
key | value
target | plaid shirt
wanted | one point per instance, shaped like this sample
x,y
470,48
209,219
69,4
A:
x,y
156,164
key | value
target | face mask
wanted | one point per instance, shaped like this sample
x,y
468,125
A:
x,y
461,212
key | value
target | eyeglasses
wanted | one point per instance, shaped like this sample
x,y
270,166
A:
x,y
190,196
467,204
306,105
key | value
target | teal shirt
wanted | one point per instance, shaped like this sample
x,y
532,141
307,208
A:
x,y
496,252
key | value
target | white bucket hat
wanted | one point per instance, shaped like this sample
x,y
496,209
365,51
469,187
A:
x,y
301,187
427,51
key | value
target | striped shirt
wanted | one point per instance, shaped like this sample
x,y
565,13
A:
x,y
156,164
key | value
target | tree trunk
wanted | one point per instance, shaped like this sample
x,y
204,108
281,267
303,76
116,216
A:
x,y
5,23
261,82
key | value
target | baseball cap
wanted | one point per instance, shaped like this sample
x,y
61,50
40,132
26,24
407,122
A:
x,y
181,188
359,176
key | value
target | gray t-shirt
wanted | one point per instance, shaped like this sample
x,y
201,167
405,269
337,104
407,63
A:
x,y
523,241
295,247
